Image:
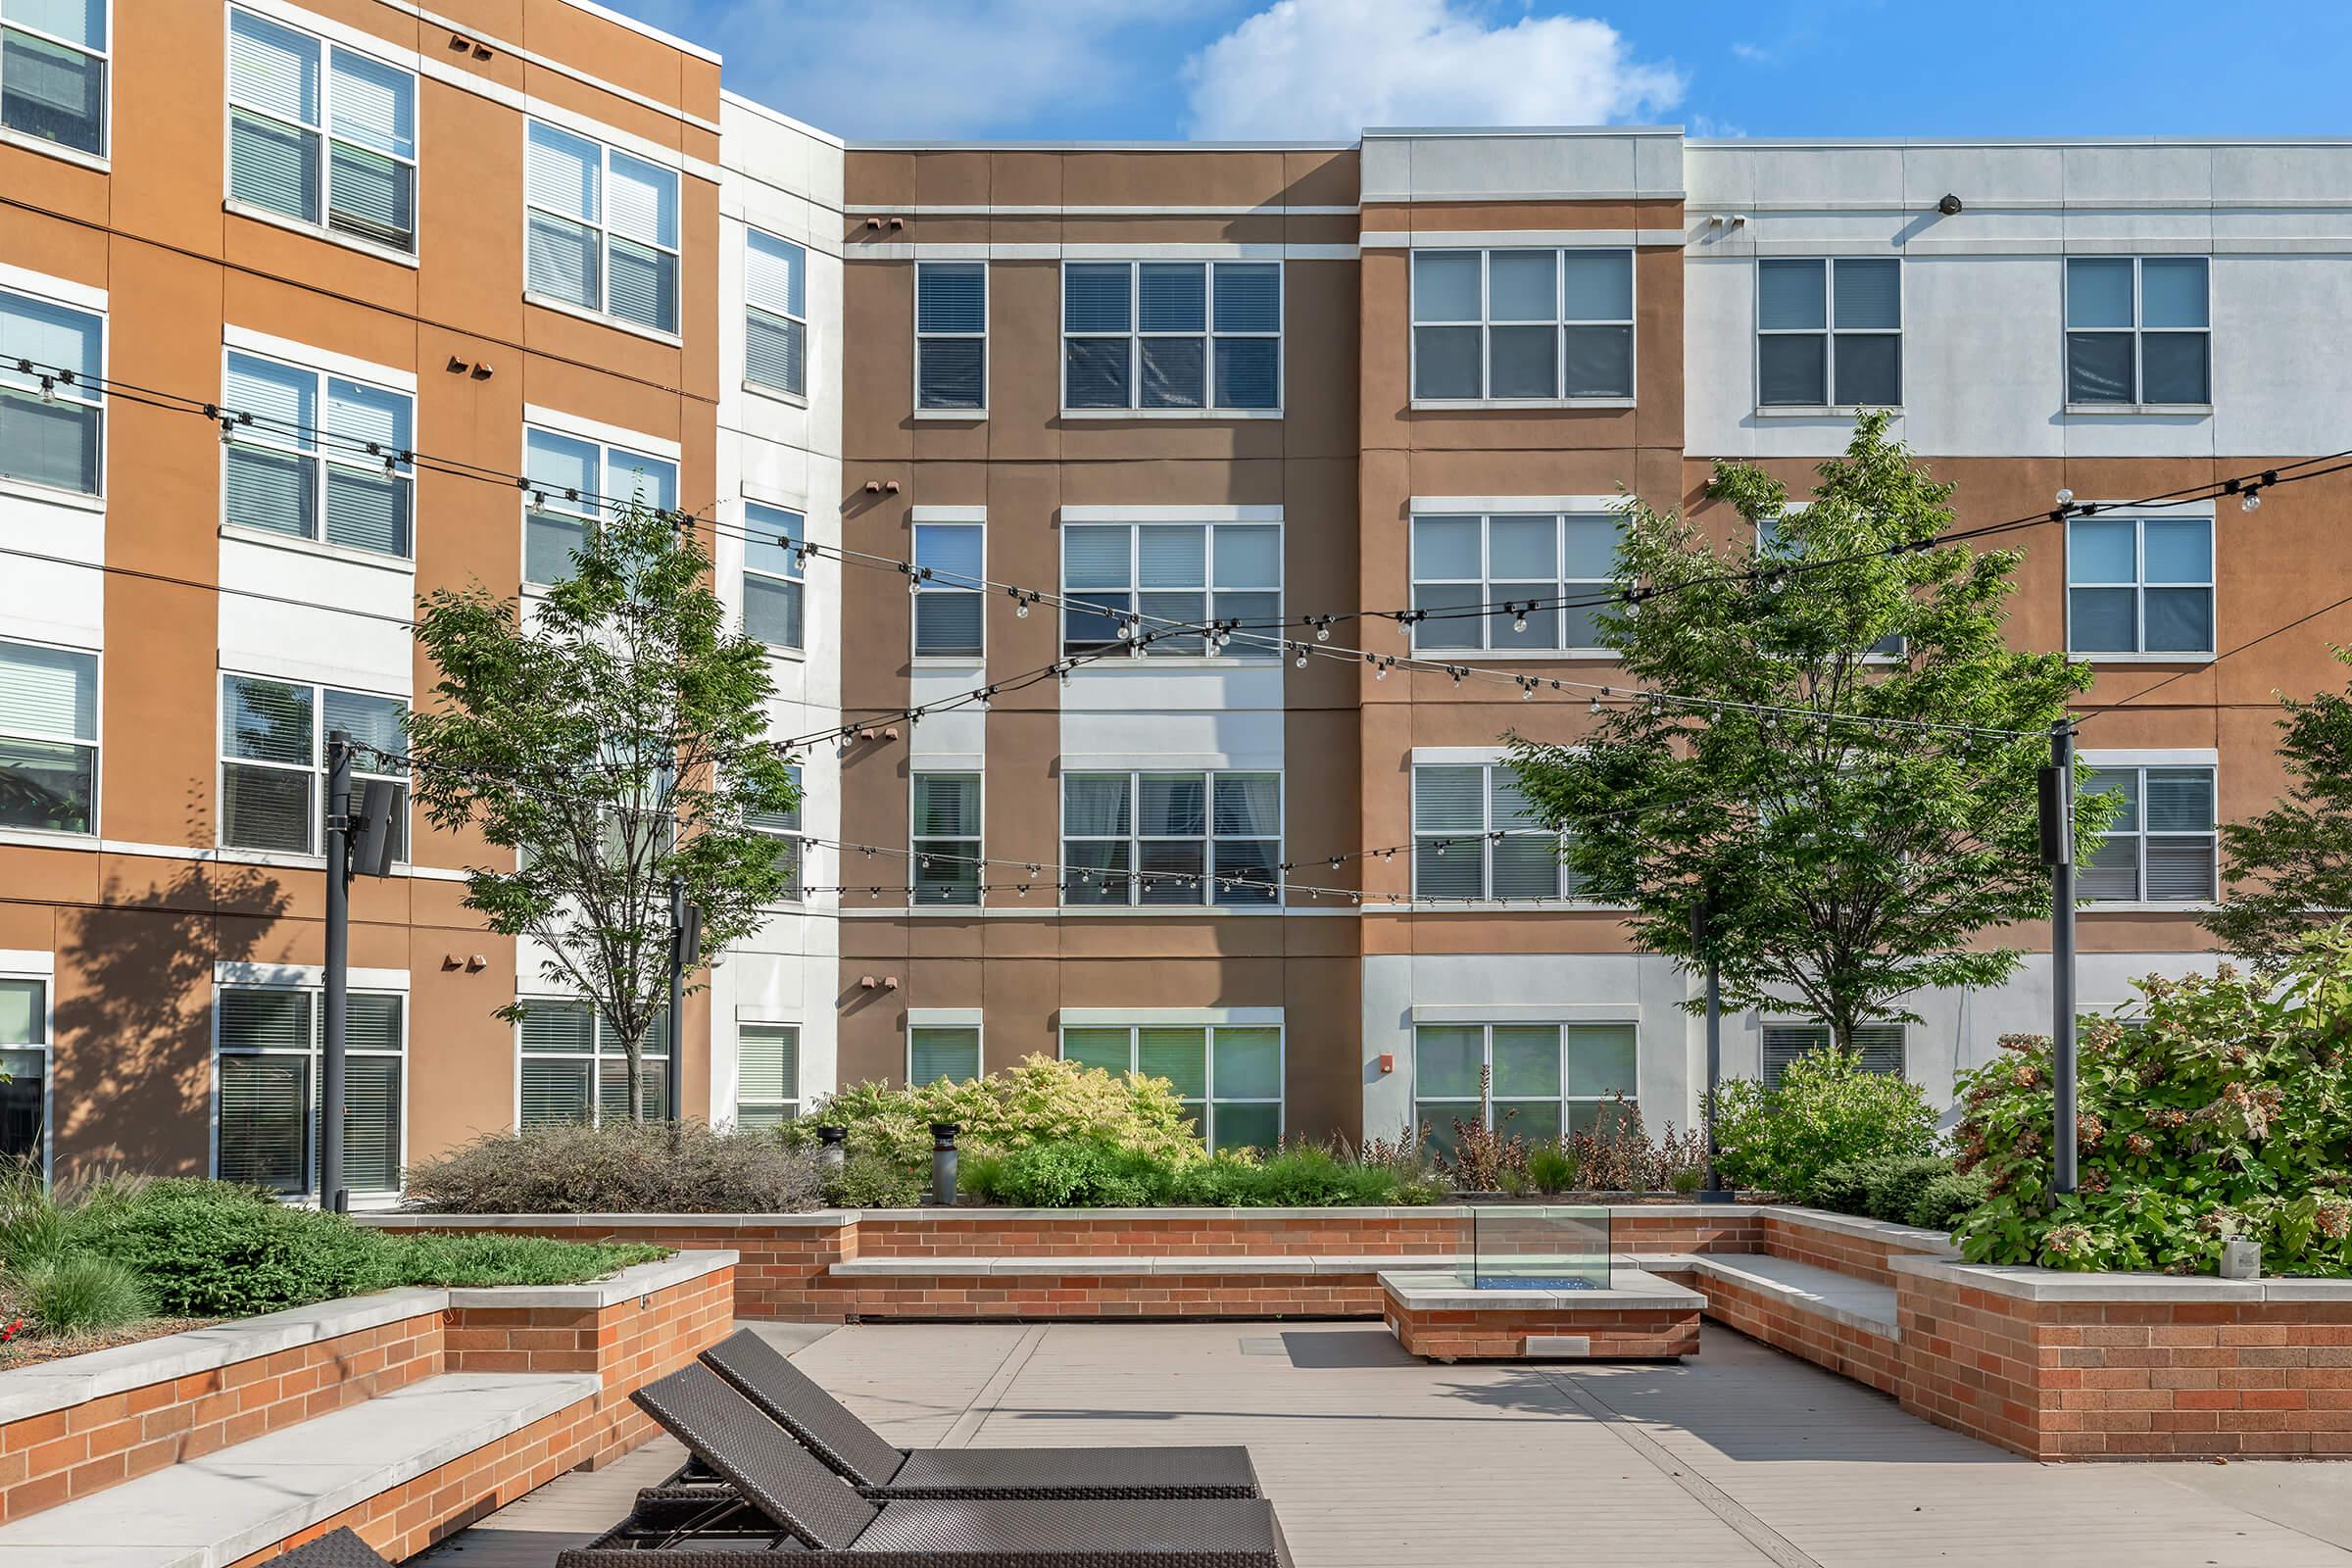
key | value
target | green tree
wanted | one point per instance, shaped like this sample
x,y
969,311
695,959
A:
x,y
611,737
2291,868
1846,863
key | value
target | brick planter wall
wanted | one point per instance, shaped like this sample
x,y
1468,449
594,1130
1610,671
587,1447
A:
x,y
1488,1334
1039,1295
1861,1247
1829,1343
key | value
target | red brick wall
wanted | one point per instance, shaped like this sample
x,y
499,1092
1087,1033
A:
x,y
1238,1232
1049,1296
1792,1236
1492,1333
1840,1348
778,1273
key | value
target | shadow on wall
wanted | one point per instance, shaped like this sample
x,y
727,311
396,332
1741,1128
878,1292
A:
x,y
131,1076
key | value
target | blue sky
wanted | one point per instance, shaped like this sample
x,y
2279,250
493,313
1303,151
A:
x,y
1151,69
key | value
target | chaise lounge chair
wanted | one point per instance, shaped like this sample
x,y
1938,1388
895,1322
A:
x,y
818,1519
794,1402
338,1548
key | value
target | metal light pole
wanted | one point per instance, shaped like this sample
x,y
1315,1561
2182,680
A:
x,y
2058,854
333,1194
674,1071
1703,938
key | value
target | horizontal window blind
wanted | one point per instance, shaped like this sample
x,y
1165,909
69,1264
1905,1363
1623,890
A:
x,y
48,692
936,1053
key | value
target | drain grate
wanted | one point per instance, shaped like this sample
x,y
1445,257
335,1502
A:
x,y
1264,1344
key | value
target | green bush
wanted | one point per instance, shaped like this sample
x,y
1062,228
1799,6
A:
x,y
872,1180
1842,1188
1896,1185
2227,1115
1079,1173
622,1167
80,1293
1825,1109
1042,1101
1942,1202
491,1258
1552,1168
214,1249
1083,1174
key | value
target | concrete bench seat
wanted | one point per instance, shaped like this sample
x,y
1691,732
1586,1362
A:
x,y
1804,1288
214,1510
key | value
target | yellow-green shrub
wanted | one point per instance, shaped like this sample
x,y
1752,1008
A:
x,y
1042,1101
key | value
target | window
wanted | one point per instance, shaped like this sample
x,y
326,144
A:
x,y
573,481
48,738
785,827
1522,325
1171,838
1830,333
1171,335
935,1052
1772,544
768,1088
318,453
951,335
2160,846
1229,1076
53,72
268,1042
25,1056
602,229
1880,1046
1166,580
1547,1080
2137,330
1474,836
771,574
2139,585
775,314
274,759
1562,566
282,108
52,401
947,838
948,588
576,1068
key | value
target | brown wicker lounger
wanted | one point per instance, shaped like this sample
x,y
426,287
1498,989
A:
x,y
338,1548
797,1403
799,1504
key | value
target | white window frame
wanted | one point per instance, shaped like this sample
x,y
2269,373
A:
x,y
781,309
793,575
786,1110
1559,324
1252,646
1208,408
34,142
602,226
923,411
916,840
1565,588
789,835
1829,332
2141,764
600,1052
2139,585
316,769
1770,1077
926,581
311,987
317,447
1210,1100
323,226
40,968
2137,403
96,745
584,509
1481,843
1205,883
28,286
1564,1030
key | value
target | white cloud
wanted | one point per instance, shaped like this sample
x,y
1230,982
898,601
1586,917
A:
x,y
1317,68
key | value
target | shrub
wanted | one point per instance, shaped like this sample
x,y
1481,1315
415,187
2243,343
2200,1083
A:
x,y
216,1250
2228,1113
1042,1101
1302,1176
1825,1109
619,1169
871,1180
80,1293
1079,1173
1617,1155
1842,1188
1552,1168
1942,1202
494,1258
1896,1185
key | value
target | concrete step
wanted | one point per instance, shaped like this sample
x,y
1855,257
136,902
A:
x,y
1803,1288
208,1512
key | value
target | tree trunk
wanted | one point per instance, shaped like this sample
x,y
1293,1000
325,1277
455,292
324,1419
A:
x,y
636,1061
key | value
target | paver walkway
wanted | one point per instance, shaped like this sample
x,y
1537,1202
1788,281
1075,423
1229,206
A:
x,y
1739,1456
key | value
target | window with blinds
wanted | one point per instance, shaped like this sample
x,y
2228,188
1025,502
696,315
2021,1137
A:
x,y
267,1042
573,1066
1476,837
951,336
938,1051
24,1058
53,65
785,828
48,738
2161,846
1148,839
1879,1045
949,591
768,1074
53,409
2139,585
1155,585
775,326
2138,331
599,228
1228,1076
1522,325
1543,1081
1168,335
1830,333
573,481
322,133
1549,575
771,574
274,759
314,455
947,838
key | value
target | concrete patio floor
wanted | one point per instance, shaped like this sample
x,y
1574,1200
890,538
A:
x,y
1740,1456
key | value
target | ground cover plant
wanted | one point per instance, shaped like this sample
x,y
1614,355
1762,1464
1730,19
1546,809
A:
x,y
1090,1173
620,1168
2226,1114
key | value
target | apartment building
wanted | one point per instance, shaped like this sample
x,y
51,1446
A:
x,y
361,301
